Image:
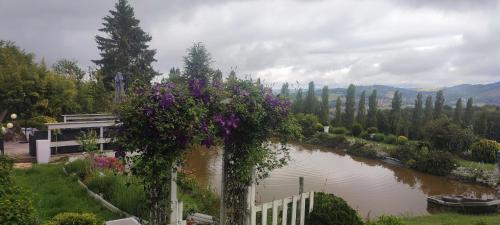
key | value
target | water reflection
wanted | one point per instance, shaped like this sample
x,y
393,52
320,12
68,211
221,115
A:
x,y
372,187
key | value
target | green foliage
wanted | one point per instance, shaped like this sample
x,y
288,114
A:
x,y
371,120
439,104
325,107
458,113
80,167
402,140
395,115
197,63
417,118
338,113
390,139
386,220
372,130
419,157
338,130
356,129
69,68
332,210
124,48
365,135
285,91
363,149
361,116
445,135
379,137
308,122
311,104
298,103
197,198
350,102
68,218
16,206
469,113
485,151
88,141
329,140
428,109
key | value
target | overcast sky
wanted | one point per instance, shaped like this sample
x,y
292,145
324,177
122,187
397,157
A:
x,y
408,43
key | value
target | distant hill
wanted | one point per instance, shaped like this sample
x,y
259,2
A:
x,y
483,94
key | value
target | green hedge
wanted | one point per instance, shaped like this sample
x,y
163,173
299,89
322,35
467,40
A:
x,y
485,151
332,210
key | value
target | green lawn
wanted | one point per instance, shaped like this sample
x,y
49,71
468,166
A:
x,y
476,165
453,219
55,192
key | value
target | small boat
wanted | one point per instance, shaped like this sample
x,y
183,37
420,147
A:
x,y
464,204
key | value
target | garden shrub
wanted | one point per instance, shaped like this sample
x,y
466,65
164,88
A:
x,y
485,150
379,137
390,139
362,149
329,140
80,167
372,130
319,127
356,129
16,206
332,210
402,140
386,220
308,123
436,162
338,130
365,135
75,219
446,135
102,183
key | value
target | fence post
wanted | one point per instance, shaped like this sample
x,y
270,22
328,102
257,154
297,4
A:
x,y
275,212
302,208
301,185
222,217
294,209
250,198
173,197
285,209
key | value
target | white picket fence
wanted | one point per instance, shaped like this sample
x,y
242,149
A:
x,y
282,205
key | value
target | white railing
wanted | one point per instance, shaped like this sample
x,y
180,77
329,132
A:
x,y
78,125
87,117
282,205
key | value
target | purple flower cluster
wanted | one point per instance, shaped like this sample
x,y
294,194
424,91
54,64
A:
x,y
281,105
227,124
197,87
167,100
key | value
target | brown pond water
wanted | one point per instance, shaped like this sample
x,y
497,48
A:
x,y
372,187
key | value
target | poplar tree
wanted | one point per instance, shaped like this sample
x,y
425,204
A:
x,y
439,104
285,92
469,113
311,103
417,117
371,120
125,48
395,117
457,114
350,102
325,107
338,112
428,109
361,116
197,63
297,104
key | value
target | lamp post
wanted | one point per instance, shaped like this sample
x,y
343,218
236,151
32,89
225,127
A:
x,y
3,130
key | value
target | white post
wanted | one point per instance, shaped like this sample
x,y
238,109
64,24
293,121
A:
x,y
251,198
101,136
294,209
302,208
311,201
49,134
179,210
275,212
173,197
253,217
264,214
285,209
222,219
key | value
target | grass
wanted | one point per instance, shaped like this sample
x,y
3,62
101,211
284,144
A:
x,y
55,192
453,219
476,165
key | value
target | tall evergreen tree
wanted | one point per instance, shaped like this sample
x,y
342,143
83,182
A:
x,y
338,113
325,106
298,103
457,114
311,102
125,48
395,117
417,117
197,63
70,69
481,127
174,75
217,76
371,120
428,109
285,92
469,113
361,116
439,104
350,103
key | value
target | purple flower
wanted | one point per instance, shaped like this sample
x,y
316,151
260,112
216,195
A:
x,y
196,87
232,121
204,127
148,111
227,124
208,142
167,100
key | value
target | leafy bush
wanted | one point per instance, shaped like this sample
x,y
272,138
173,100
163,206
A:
x,y
16,206
329,140
319,127
362,149
332,210
402,140
386,220
372,130
75,219
356,129
80,167
365,135
446,135
379,137
102,183
390,139
308,123
437,162
485,150
338,130
88,141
